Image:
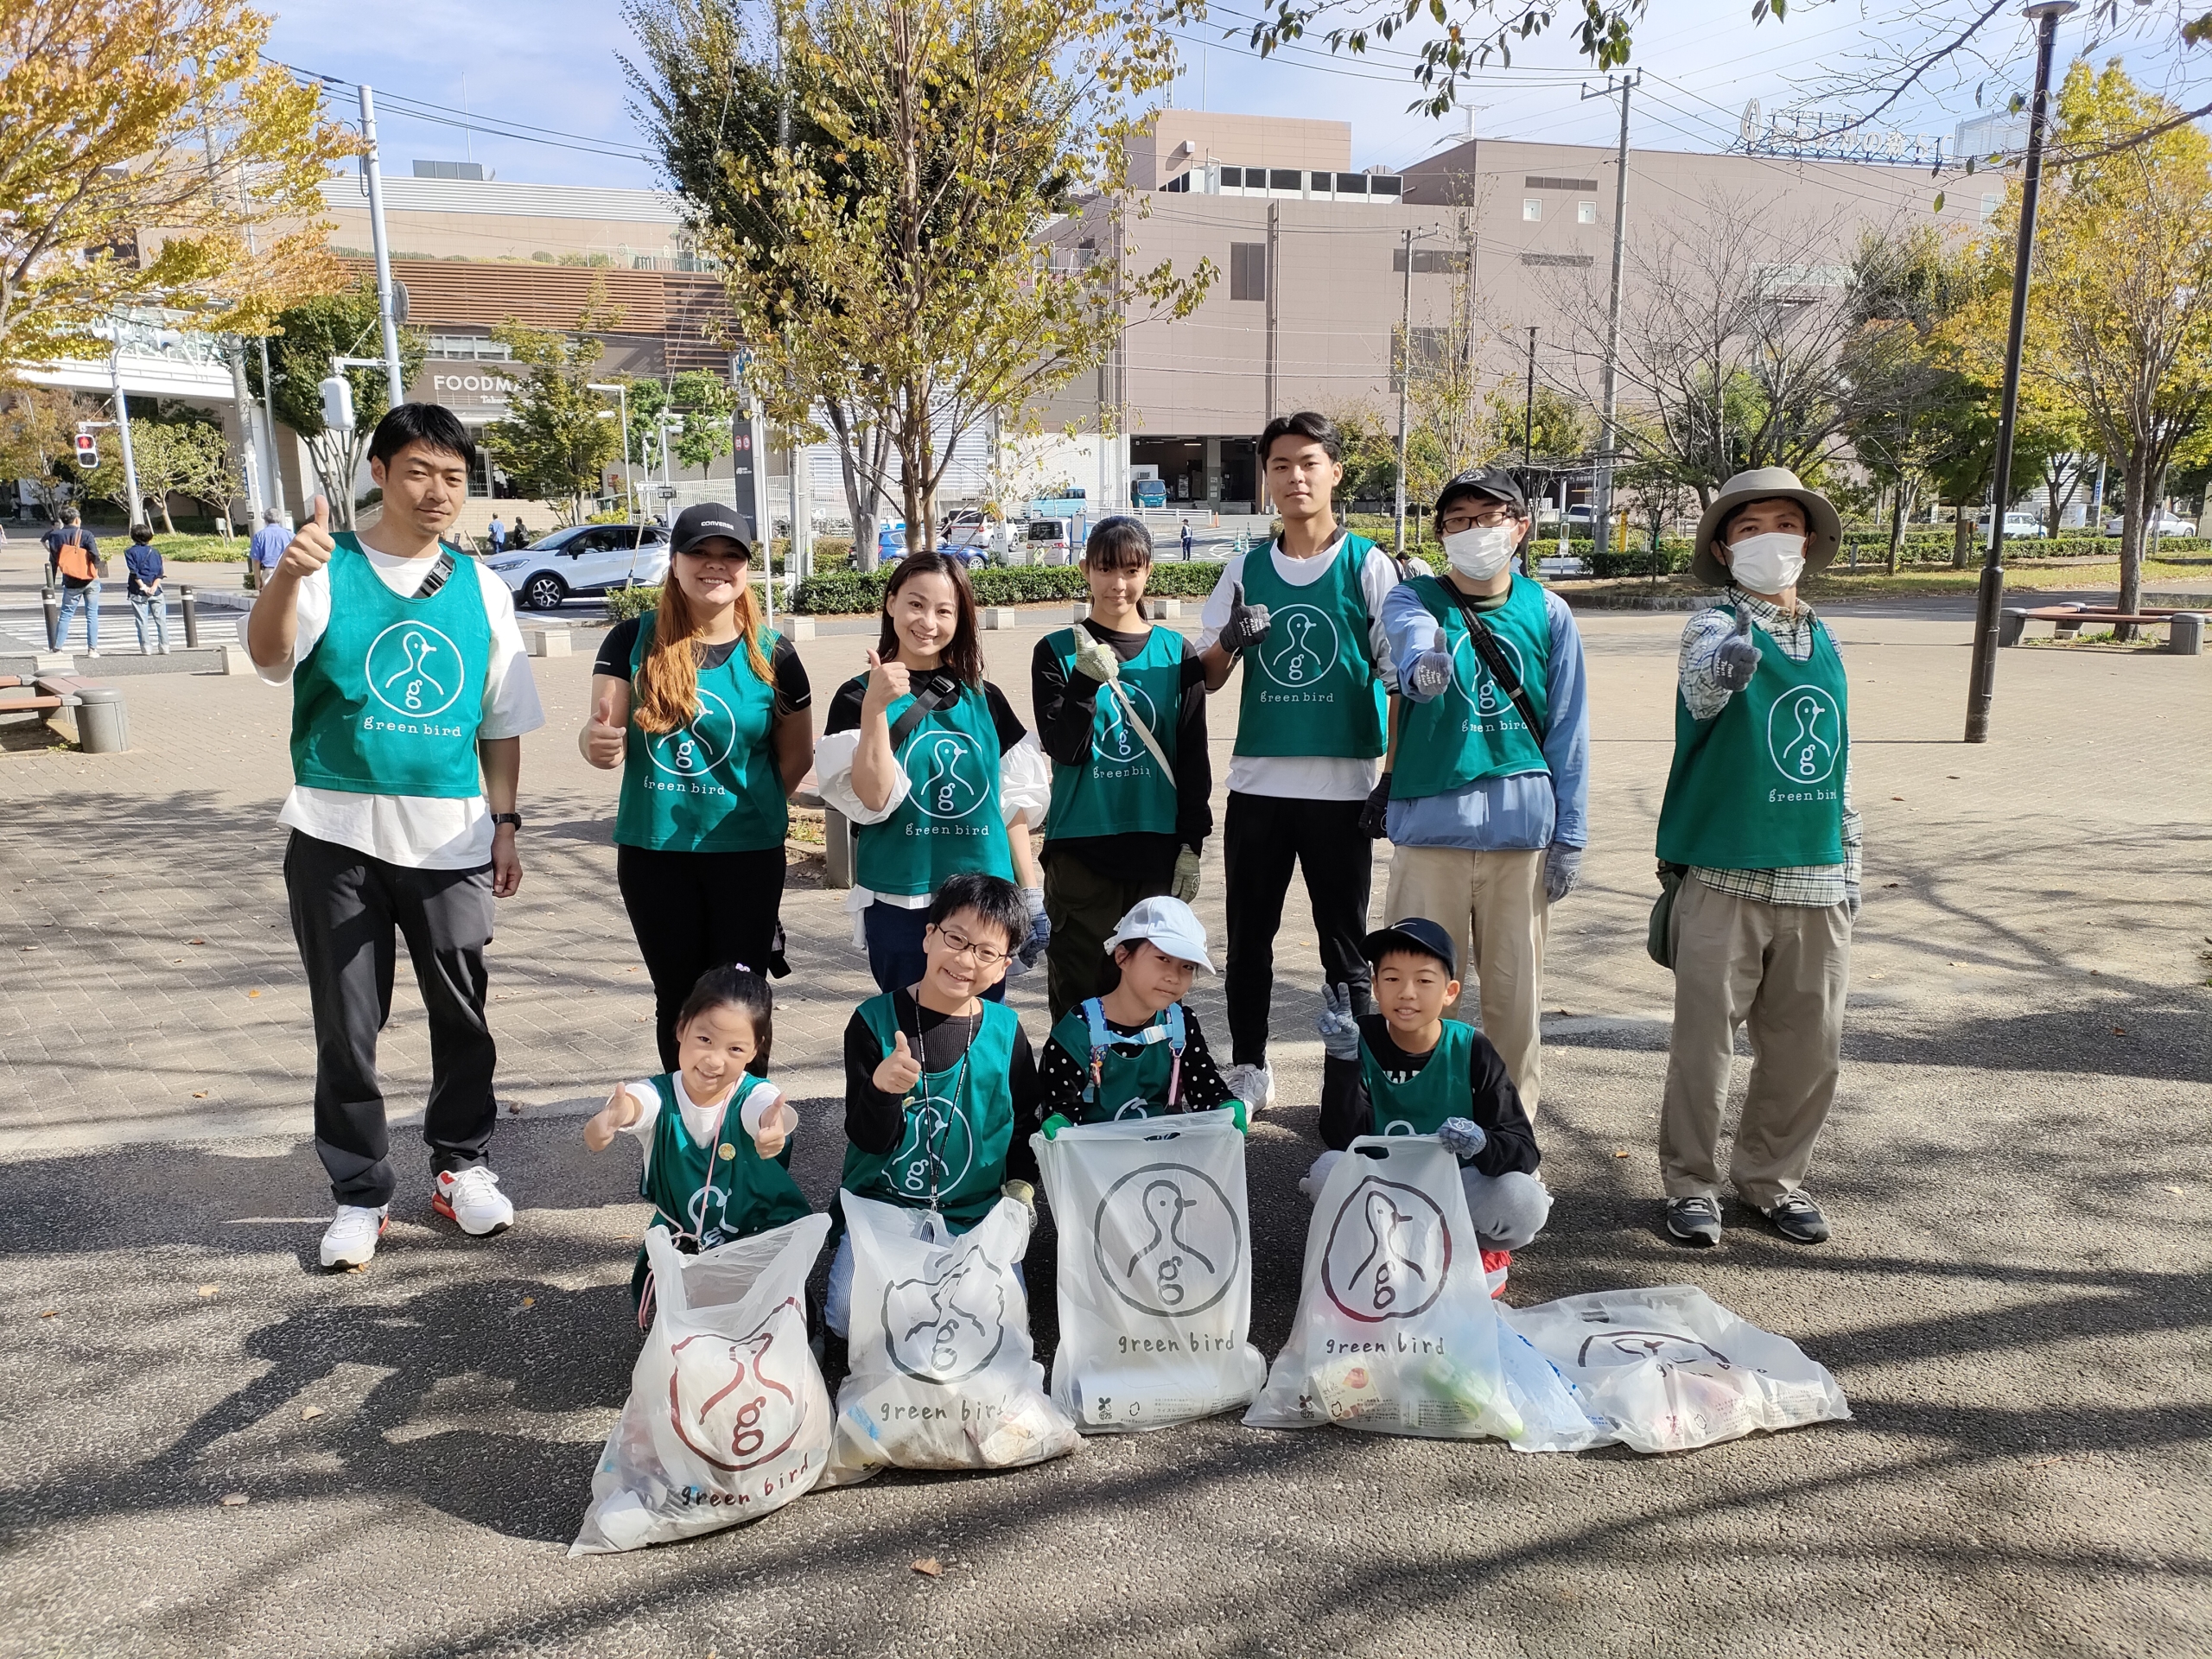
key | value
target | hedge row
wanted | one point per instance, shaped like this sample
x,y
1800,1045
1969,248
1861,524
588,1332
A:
x,y
833,593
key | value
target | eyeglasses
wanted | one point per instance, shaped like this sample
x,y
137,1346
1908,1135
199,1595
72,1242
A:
x,y
1482,518
960,945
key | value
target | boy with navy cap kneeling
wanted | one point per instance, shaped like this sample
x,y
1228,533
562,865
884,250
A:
x,y
1405,1069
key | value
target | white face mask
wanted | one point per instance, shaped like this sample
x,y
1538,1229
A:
x,y
1768,563
1480,553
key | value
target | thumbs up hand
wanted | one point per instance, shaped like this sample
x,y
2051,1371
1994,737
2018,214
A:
x,y
776,1127
900,1071
887,683
1432,670
311,546
1248,624
608,729
1738,659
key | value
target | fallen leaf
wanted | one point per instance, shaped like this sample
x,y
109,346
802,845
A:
x,y
2119,1031
2175,1191
27,947
234,1500
1896,797
1893,884
195,941
1619,1153
530,1301
199,1094
50,1312
209,1290
514,1108
309,1414
1952,776
927,1566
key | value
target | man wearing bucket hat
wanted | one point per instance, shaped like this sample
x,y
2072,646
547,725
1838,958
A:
x,y
1485,794
1757,827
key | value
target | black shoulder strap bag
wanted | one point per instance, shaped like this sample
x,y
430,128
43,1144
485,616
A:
x,y
1501,668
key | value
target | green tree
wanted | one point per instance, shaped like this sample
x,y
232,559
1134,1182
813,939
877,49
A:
x,y
38,429
174,452
1370,450
558,436
310,334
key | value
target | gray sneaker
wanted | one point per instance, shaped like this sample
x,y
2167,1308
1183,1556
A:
x,y
1694,1221
1797,1218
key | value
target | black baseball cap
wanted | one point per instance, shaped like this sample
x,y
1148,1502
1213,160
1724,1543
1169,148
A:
x,y
1417,934
1492,481
706,521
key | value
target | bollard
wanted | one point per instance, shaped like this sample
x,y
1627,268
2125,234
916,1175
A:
x,y
190,602
52,620
549,642
1082,610
2185,634
837,850
1165,610
2011,626
103,728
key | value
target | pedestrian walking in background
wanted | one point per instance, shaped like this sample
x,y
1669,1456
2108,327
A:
x,y
709,714
411,695
1186,541
1304,614
1758,828
519,537
1485,795
149,600
72,554
267,546
498,532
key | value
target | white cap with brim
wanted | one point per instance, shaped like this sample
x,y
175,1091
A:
x,y
1168,923
1822,522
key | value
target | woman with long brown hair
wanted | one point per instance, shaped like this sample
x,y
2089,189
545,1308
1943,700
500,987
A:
x,y
708,713
936,772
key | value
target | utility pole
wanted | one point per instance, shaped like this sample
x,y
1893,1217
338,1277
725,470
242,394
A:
x,y
123,420
1990,599
1274,238
1528,449
1602,524
249,439
1405,384
382,249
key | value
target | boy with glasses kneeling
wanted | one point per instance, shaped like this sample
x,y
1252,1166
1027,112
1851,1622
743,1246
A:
x,y
940,1084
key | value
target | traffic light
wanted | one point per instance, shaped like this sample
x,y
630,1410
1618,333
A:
x,y
88,451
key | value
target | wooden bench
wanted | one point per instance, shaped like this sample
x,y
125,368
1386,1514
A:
x,y
2184,629
106,731
21,697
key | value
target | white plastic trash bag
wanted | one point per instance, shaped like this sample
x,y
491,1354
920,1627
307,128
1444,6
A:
x,y
1395,1332
943,1374
1670,1369
728,1418
1156,1278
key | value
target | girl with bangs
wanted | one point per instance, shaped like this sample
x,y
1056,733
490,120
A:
x,y
936,772
708,713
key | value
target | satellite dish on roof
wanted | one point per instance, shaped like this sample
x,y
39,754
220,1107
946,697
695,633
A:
x,y
1751,128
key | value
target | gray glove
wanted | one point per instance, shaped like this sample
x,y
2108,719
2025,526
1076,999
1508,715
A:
x,y
1562,868
1432,670
1462,1136
1339,1029
1095,660
1248,624
1738,659
1027,953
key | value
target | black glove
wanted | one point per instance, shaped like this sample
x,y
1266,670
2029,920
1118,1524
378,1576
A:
x,y
1248,624
1375,817
1738,659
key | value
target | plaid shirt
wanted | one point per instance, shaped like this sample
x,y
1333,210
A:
x,y
1816,885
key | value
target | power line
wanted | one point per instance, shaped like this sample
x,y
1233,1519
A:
x,y
497,127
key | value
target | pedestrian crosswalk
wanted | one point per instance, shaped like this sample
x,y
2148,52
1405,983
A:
x,y
25,630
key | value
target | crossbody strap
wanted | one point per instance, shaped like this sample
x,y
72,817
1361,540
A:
x,y
1494,660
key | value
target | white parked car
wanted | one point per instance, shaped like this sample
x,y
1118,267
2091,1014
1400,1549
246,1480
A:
x,y
2019,526
582,561
2165,525
1051,541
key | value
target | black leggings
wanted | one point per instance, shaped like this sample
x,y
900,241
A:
x,y
696,911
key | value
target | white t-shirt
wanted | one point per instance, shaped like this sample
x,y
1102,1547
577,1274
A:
x,y
699,1121
423,832
1308,776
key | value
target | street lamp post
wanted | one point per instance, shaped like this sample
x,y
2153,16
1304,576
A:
x,y
622,391
1982,681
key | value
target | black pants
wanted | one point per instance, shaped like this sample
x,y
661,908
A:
x,y
1085,906
1263,837
696,911
346,909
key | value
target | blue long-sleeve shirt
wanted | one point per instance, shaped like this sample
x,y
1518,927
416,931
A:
x,y
144,565
1517,814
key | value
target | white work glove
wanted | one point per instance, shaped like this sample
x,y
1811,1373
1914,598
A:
x,y
1462,1136
1562,868
1738,659
1432,670
1248,624
1339,1029
1095,660
1185,885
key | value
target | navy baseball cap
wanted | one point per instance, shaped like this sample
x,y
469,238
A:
x,y
705,521
1492,481
1417,934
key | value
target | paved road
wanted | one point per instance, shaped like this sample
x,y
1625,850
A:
x,y
2016,1302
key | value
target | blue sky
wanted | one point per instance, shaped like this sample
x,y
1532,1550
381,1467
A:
x,y
551,64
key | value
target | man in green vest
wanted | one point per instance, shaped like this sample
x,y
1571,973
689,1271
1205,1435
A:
x,y
1759,826
410,694
1305,616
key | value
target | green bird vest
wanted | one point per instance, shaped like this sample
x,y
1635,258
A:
x,y
1419,1105
708,1194
389,701
1120,789
959,1123
950,822
1311,687
1759,786
1472,730
712,784
1129,1076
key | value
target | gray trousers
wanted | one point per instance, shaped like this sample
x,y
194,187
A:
x,y
348,912
1781,971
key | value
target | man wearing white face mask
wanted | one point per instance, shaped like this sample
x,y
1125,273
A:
x,y
1486,795
1759,823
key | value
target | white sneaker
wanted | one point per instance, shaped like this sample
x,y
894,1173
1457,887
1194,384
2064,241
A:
x,y
351,1238
471,1199
1253,1084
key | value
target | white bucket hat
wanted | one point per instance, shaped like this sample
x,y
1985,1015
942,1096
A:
x,y
1824,525
1168,923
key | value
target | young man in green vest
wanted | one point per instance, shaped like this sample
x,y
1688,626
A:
x,y
410,693
1758,821
1121,707
1305,616
1489,782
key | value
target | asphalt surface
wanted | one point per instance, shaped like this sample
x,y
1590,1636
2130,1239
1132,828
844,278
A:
x,y
2016,1301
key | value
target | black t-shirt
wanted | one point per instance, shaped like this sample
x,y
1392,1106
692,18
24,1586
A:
x,y
793,691
875,1122
1492,1100
845,706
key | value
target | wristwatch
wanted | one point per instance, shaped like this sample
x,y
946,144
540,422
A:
x,y
515,819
